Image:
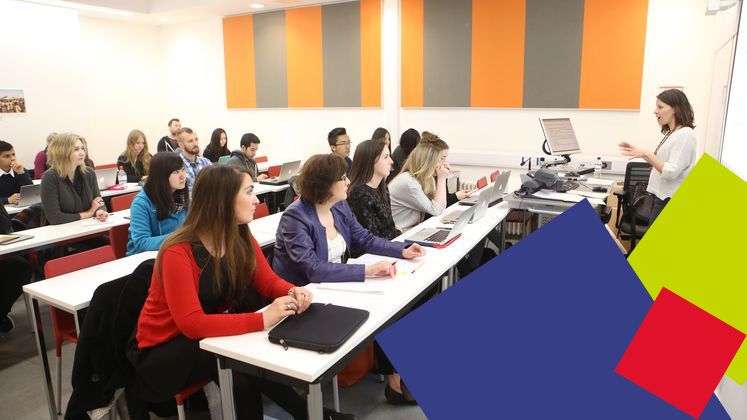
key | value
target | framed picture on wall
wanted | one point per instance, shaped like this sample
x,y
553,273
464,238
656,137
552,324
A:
x,y
12,101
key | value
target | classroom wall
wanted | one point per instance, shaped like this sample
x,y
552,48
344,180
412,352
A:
x,y
103,77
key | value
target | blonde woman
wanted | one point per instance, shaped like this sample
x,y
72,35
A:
x,y
69,190
136,159
420,189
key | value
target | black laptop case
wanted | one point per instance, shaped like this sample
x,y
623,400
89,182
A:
x,y
322,327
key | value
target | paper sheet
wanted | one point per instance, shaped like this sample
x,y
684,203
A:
x,y
573,198
95,222
404,267
377,285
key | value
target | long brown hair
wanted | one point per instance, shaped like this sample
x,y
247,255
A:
x,y
212,216
366,155
133,157
683,111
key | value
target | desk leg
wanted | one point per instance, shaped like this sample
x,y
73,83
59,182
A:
x,y
335,394
503,235
451,276
225,379
35,315
314,402
77,322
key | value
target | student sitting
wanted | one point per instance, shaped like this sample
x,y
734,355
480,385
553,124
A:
x,y
136,159
339,143
245,156
382,133
12,175
414,192
218,146
443,150
407,142
190,152
368,195
161,207
40,161
209,280
69,190
318,231
87,160
168,143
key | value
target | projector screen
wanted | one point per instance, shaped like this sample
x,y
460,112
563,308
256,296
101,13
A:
x,y
734,148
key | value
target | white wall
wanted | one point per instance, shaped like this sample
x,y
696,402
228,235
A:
x,y
110,77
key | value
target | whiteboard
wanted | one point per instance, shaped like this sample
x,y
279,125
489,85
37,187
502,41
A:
x,y
734,149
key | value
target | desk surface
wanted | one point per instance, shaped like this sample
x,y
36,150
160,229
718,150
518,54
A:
x,y
132,187
51,234
73,291
255,348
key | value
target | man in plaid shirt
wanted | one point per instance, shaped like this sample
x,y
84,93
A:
x,y
190,153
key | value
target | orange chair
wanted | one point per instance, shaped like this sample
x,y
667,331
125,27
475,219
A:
x,y
261,211
185,393
107,166
63,323
118,236
481,183
122,202
494,175
260,159
273,171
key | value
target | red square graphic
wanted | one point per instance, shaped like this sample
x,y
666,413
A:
x,y
680,352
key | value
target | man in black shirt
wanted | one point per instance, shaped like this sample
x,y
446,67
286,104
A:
x,y
169,143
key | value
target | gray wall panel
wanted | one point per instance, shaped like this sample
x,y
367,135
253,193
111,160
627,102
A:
x,y
270,60
552,53
341,47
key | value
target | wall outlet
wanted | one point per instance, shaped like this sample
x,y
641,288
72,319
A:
x,y
606,164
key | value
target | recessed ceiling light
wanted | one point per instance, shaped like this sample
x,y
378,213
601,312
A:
x,y
257,6
85,7
164,20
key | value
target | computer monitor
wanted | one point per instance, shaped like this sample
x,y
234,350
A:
x,y
560,136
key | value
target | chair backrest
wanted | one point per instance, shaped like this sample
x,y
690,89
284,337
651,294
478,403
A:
x,y
482,182
494,175
122,202
107,166
636,173
118,236
79,261
274,171
260,159
261,211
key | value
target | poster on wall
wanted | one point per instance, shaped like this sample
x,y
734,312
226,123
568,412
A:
x,y
12,101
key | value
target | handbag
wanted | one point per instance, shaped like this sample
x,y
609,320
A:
x,y
322,327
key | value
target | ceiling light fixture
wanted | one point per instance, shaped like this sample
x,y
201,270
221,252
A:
x,y
85,7
257,6
164,20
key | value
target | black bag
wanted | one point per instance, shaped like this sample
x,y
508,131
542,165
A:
x,y
322,327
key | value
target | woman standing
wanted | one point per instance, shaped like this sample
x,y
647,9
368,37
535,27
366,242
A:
x,y
675,155
136,159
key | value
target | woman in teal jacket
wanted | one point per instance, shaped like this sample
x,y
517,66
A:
x,y
161,206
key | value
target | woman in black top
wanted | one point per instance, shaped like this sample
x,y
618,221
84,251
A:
x,y
368,197
218,145
409,139
136,159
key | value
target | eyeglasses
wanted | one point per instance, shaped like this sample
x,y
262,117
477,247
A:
x,y
347,143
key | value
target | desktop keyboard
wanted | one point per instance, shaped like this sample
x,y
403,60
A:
x,y
569,185
439,236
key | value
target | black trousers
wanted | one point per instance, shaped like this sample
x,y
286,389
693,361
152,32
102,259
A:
x,y
165,369
658,207
15,272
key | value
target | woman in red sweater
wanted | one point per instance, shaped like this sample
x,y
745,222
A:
x,y
209,279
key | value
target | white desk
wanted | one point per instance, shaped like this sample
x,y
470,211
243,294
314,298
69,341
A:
x,y
260,189
253,353
52,234
264,229
131,188
72,292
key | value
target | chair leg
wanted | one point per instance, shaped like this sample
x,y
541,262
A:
x,y
59,384
180,410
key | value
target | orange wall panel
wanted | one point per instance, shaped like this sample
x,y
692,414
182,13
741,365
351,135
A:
x,y
412,53
303,32
238,47
370,53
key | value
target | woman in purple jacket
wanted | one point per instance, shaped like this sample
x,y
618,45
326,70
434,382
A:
x,y
317,232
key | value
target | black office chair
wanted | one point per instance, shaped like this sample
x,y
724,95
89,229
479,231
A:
x,y
634,204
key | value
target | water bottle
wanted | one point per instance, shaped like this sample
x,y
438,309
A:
x,y
598,168
122,177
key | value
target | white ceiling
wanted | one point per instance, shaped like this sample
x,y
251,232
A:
x,y
150,11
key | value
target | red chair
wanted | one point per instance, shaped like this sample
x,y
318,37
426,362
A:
x,y
63,323
122,202
260,159
273,171
494,175
185,393
118,236
107,166
481,183
261,211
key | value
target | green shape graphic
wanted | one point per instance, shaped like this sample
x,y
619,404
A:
x,y
696,249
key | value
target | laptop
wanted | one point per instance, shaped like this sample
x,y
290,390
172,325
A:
x,y
498,191
224,159
106,178
287,170
29,195
480,209
442,237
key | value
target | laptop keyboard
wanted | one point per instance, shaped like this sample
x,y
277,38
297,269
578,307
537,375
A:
x,y
570,185
438,236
